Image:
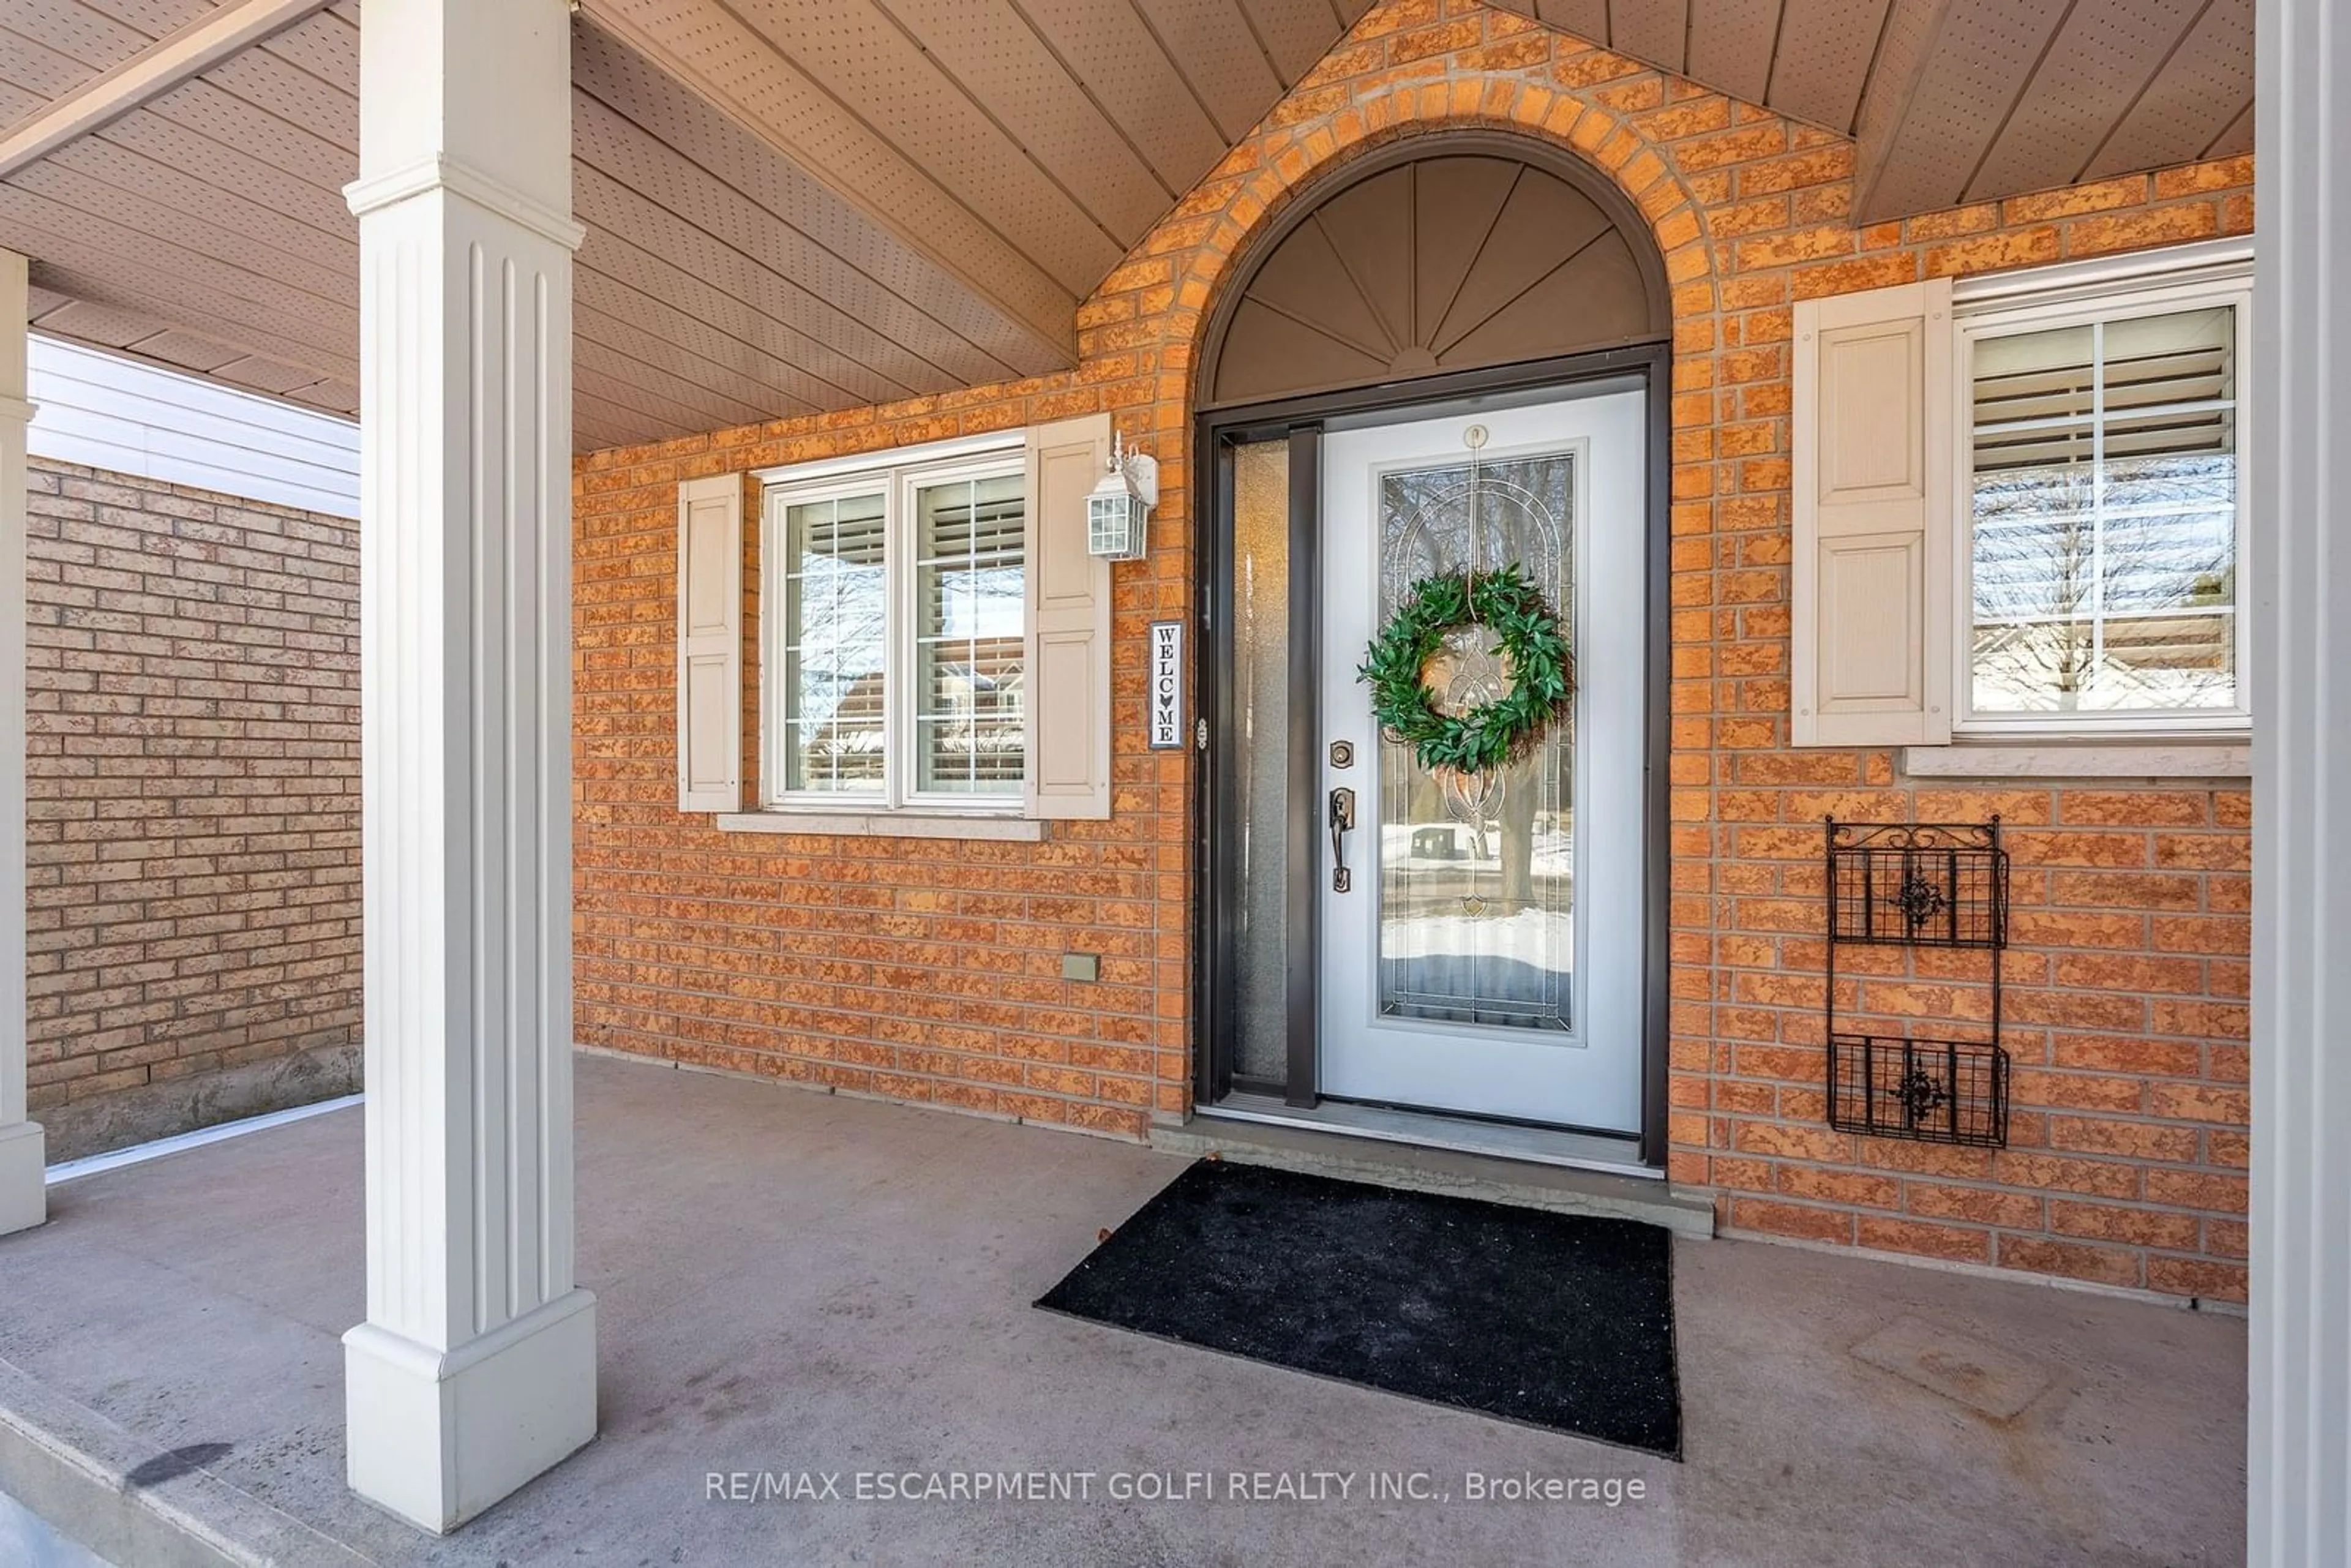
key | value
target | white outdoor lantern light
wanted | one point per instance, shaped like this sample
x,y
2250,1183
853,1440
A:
x,y
1118,512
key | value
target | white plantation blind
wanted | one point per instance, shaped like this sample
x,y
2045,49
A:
x,y
830,650
1874,439
710,643
2104,494
970,649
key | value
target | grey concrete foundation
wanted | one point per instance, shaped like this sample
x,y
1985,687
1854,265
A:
x,y
172,1105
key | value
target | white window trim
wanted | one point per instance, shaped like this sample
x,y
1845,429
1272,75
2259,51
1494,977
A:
x,y
898,808
2039,298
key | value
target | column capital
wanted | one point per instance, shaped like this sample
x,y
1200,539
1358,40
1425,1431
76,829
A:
x,y
374,193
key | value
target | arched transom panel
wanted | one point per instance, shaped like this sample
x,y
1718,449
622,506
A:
x,y
1455,255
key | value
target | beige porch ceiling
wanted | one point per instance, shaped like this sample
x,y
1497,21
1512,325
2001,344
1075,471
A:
x,y
800,205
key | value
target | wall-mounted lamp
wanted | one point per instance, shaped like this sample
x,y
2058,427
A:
x,y
1118,512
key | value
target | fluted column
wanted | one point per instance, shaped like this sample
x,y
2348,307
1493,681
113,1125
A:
x,y
22,1200
2299,1498
475,1369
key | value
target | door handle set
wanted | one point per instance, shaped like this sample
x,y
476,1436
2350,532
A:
x,y
1343,821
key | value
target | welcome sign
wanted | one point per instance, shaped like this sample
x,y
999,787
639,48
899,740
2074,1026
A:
x,y
1166,684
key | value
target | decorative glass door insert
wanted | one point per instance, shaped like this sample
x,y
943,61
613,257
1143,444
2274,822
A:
x,y
1476,887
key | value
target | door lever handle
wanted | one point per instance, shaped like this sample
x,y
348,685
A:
x,y
1343,821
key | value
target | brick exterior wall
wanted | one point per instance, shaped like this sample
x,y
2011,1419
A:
x,y
929,971
192,785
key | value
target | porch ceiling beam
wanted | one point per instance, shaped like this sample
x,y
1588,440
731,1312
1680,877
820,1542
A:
x,y
729,65
147,75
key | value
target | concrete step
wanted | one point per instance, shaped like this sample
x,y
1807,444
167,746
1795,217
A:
x,y
1526,1184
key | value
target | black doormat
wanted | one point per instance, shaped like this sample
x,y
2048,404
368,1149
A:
x,y
1554,1320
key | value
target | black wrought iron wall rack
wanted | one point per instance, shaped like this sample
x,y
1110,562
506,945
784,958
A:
x,y
1918,884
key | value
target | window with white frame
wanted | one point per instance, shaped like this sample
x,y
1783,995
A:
x,y
893,637
2101,513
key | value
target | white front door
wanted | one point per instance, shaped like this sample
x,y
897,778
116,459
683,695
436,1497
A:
x,y
1486,954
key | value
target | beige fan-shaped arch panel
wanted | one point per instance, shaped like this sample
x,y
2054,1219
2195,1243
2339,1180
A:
x,y
1451,255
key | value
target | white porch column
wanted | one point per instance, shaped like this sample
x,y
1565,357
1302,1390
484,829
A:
x,y
2299,1503
22,1202
476,1367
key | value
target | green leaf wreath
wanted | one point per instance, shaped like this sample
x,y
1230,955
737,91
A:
x,y
1483,737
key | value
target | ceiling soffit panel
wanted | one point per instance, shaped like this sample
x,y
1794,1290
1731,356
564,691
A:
x,y
2198,105
218,235
672,152
2238,140
1657,31
649,329
216,165
741,72
1210,44
1976,99
642,249
1732,44
857,54
133,177
32,66
1821,58
1586,20
1295,33
1905,44
1982,61
66,238
2103,53
176,247
998,61
1117,59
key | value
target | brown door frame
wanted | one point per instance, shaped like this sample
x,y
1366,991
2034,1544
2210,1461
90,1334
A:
x,y
1302,420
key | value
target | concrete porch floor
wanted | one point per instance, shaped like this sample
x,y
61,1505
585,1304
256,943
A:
x,y
795,1282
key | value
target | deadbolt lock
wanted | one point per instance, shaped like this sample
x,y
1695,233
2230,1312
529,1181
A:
x,y
1342,754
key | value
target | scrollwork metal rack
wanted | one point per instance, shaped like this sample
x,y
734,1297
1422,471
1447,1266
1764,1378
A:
x,y
1918,884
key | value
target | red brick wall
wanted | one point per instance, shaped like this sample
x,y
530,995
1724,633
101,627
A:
x,y
192,779
930,971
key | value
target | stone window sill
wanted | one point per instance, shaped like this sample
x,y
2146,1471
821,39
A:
x,y
2173,759
996,825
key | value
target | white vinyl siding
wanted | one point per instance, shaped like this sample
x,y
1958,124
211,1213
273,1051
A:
x,y
102,411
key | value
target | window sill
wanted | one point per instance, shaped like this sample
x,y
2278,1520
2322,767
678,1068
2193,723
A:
x,y
885,824
2062,759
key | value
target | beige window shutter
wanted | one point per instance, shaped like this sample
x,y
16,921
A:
x,y
1068,665
710,645
1875,490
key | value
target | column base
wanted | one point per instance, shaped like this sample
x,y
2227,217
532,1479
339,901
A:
x,y
24,1170
437,1436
